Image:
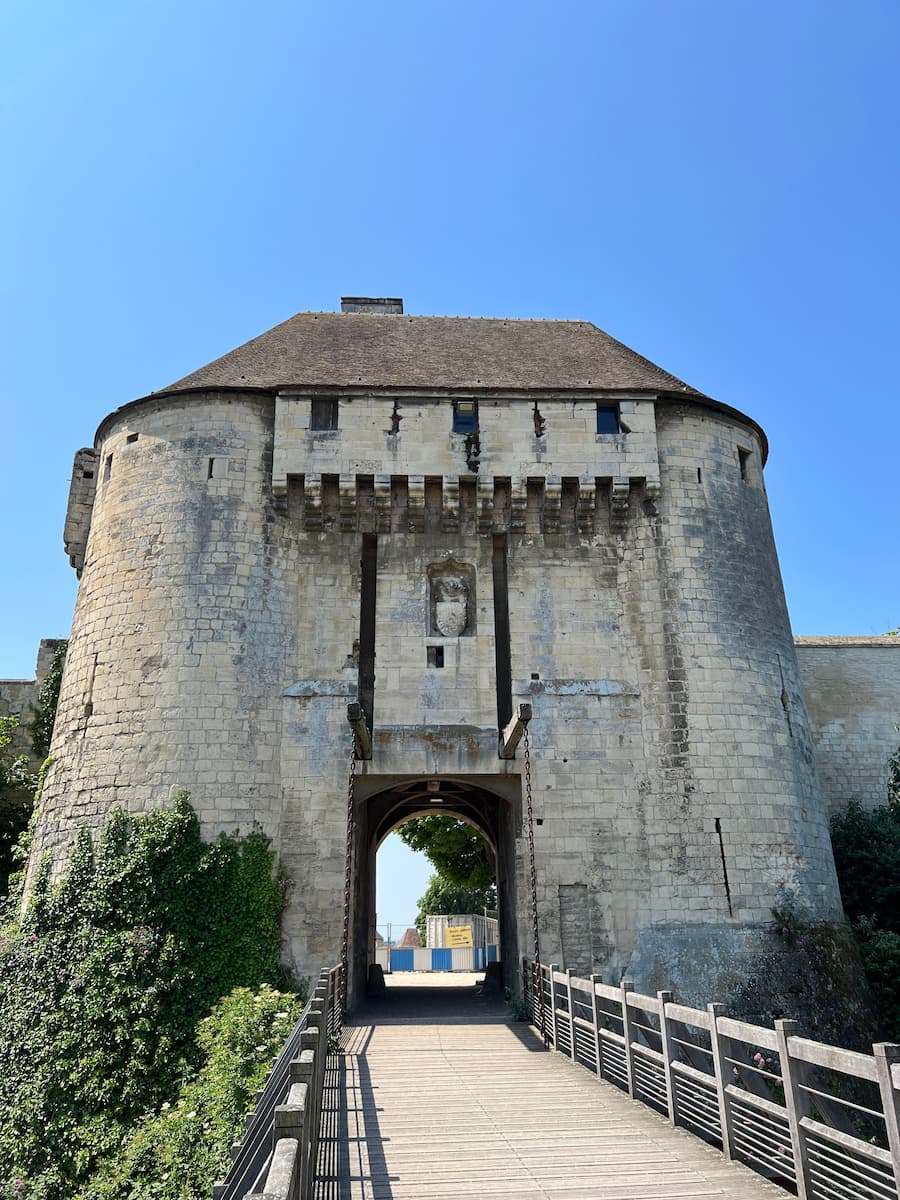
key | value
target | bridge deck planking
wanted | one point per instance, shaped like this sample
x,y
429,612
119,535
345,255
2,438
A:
x,y
450,1100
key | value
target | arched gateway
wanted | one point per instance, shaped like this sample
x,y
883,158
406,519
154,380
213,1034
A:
x,y
439,519
491,804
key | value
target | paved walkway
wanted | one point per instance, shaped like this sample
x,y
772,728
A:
x,y
438,1095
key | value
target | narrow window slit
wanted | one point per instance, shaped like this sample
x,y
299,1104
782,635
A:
x,y
743,460
107,469
209,468
699,475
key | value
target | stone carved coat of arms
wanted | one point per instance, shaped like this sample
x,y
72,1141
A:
x,y
451,605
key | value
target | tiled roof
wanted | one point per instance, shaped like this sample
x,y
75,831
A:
x,y
396,351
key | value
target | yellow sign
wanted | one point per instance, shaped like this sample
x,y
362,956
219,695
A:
x,y
458,935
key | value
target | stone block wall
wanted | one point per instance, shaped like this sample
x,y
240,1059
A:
x,y
219,635
852,690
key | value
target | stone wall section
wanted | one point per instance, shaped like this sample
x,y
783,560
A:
x,y
216,644
852,690
82,490
19,698
175,666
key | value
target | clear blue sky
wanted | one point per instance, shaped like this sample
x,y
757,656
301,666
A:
x,y
714,182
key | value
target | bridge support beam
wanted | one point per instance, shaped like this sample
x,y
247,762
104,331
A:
x,y
512,734
357,720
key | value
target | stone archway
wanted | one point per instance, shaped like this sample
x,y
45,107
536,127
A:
x,y
491,804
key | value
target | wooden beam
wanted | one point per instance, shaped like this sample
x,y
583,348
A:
x,y
357,719
511,735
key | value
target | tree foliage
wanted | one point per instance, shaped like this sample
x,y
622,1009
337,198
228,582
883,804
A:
x,y
447,898
15,774
458,853
105,979
867,855
16,786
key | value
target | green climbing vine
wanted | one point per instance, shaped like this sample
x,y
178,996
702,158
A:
x,y
44,713
103,984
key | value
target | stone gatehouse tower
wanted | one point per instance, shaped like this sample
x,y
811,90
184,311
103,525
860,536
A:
x,y
441,518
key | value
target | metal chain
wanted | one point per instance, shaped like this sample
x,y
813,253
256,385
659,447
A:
x,y
348,881
537,982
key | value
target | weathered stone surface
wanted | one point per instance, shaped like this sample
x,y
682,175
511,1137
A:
x,y
852,691
218,636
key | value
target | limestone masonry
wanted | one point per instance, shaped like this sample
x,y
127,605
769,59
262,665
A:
x,y
442,518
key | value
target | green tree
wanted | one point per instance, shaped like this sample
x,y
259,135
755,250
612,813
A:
x,y
458,853
16,787
445,898
867,856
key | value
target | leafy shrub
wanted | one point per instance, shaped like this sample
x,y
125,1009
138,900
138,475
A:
x,y
880,952
104,981
867,855
178,1152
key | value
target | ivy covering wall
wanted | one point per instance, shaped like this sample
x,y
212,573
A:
x,y
113,1026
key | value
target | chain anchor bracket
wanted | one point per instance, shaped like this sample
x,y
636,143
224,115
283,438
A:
x,y
357,721
512,734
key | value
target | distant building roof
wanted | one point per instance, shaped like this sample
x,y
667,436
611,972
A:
x,y
392,350
885,639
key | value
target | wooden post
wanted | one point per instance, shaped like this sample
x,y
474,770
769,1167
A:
x,y
513,731
668,1053
887,1055
571,1014
718,1058
595,1018
628,986
551,969
795,1104
357,720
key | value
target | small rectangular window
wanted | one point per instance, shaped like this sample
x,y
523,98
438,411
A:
x,y
743,459
465,416
323,414
435,656
131,439
607,418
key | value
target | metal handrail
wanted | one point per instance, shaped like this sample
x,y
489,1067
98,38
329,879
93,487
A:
x,y
253,1155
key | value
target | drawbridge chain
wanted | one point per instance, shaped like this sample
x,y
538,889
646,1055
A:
x,y
348,878
537,983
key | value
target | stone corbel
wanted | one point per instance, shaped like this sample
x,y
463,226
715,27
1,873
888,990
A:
x,y
485,504
586,504
416,484
518,505
382,504
552,498
618,503
312,502
347,503
450,503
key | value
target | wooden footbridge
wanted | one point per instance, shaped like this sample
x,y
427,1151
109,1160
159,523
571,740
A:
x,y
606,1095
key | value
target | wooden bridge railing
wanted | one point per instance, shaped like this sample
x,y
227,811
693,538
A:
x,y
277,1156
813,1117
